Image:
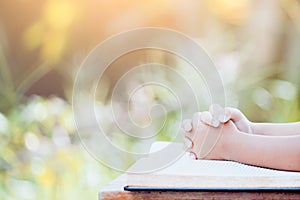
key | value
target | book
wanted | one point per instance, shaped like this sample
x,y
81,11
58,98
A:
x,y
186,173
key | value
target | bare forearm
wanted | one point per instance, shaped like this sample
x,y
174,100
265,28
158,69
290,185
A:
x,y
276,129
278,152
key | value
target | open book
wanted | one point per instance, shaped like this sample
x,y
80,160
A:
x,y
186,173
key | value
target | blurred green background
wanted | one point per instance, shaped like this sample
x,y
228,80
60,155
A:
x,y
254,44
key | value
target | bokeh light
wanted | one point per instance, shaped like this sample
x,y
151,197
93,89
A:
x,y
254,44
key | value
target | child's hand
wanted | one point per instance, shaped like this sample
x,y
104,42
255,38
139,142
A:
x,y
233,114
206,142
217,115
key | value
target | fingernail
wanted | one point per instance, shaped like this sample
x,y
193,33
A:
x,y
193,156
195,119
187,127
187,143
227,115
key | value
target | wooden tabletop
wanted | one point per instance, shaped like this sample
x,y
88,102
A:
x,y
115,190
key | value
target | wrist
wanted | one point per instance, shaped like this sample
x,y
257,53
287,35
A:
x,y
227,143
231,145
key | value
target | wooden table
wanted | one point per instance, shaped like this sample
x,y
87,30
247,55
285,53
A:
x,y
115,191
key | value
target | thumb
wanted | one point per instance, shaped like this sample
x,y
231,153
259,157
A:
x,y
234,114
241,122
230,124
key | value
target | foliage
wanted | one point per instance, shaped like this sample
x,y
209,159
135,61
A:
x,y
41,156
255,45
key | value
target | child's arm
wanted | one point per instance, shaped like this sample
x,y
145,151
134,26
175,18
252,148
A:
x,y
278,152
217,115
276,129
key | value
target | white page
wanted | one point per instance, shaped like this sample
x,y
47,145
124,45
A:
x,y
187,166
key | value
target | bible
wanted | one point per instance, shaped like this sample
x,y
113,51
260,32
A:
x,y
185,173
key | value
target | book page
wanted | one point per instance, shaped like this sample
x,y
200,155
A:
x,y
188,167
184,172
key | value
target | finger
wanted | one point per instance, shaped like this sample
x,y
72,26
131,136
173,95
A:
x,y
193,155
218,112
239,119
195,120
226,116
207,118
187,135
187,125
183,132
187,143
231,124
234,114
223,115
